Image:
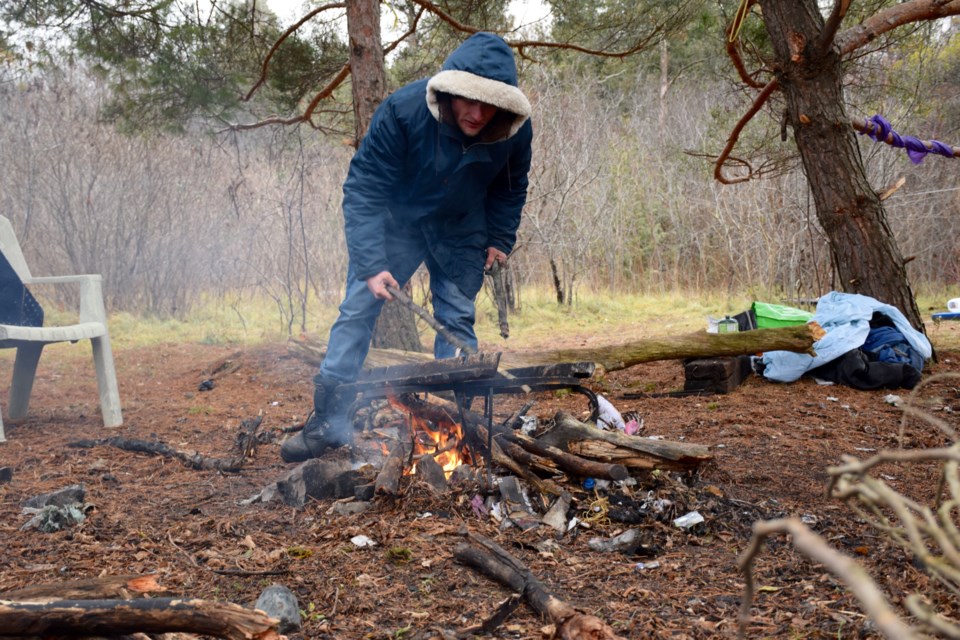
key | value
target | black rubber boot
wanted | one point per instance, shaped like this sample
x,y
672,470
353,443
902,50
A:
x,y
317,435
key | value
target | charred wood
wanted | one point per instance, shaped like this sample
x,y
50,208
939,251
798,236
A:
x,y
489,558
192,459
156,615
569,434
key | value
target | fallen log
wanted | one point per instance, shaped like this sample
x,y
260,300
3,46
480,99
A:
x,y
572,435
154,615
495,562
105,587
698,344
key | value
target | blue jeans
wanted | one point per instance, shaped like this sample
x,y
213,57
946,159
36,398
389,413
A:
x,y
350,335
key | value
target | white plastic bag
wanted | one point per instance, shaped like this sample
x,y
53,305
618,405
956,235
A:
x,y
609,417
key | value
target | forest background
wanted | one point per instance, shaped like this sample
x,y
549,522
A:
x,y
135,146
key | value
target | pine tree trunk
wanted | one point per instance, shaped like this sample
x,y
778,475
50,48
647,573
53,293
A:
x,y
864,251
396,327
367,73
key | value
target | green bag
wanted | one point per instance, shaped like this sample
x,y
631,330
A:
x,y
771,315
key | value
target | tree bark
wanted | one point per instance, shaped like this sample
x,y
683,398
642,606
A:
x,y
864,250
366,62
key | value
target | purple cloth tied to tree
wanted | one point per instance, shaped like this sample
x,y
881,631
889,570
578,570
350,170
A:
x,y
882,131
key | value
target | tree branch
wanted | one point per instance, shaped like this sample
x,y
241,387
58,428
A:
x,y
768,90
893,17
311,108
520,45
283,36
733,51
833,23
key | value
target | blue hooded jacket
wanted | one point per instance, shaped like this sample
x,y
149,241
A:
x,y
418,181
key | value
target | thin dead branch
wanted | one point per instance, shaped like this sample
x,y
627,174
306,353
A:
x,y
192,459
926,531
761,99
851,573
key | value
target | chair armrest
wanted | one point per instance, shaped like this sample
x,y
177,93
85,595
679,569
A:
x,y
62,279
91,295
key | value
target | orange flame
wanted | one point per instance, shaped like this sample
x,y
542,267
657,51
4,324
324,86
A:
x,y
443,441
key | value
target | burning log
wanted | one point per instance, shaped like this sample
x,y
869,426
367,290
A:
x,y
492,560
388,480
431,473
635,452
503,438
115,617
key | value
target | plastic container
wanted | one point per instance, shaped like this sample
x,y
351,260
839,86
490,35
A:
x,y
770,316
727,325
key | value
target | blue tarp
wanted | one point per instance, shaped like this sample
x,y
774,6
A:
x,y
846,319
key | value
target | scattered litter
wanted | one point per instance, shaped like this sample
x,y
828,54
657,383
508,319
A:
x,y
479,509
832,399
642,566
633,426
589,483
809,519
887,477
626,541
51,518
556,516
528,425
823,383
688,520
654,437
206,385
893,399
608,417
362,541
864,449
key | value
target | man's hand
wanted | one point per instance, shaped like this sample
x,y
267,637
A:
x,y
378,285
494,255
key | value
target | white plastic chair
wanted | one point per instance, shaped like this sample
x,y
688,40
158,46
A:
x,y
30,341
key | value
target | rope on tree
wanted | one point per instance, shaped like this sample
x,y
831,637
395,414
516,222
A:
x,y
877,127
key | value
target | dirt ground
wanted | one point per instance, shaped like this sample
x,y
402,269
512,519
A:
x,y
771,443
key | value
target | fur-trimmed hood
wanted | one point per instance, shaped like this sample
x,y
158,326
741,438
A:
x,y
482,68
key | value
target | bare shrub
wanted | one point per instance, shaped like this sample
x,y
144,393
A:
x,y
923,526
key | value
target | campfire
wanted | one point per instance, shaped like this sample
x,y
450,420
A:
x,y
441,440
